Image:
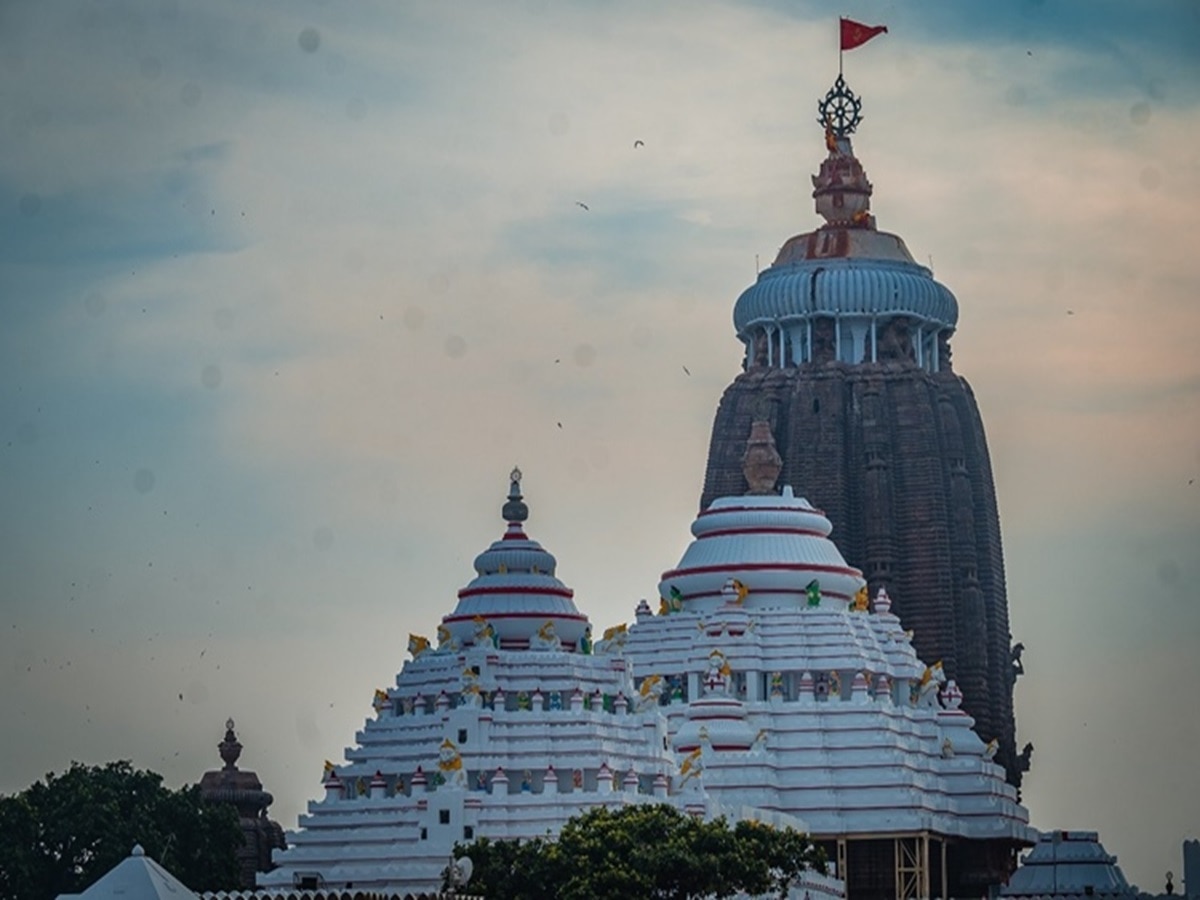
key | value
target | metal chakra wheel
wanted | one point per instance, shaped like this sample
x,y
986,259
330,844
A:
x,y
841,110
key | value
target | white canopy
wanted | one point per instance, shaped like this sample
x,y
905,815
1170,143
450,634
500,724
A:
x,y
136,878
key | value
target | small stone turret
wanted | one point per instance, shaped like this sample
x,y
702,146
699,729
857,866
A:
x,y
243,789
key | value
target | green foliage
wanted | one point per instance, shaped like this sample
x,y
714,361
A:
x,y
652,851
61,835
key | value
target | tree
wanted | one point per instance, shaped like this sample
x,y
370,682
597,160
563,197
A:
x,y
651,851
61,835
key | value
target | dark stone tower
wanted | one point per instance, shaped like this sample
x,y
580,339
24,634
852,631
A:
x,y
243,789
848,356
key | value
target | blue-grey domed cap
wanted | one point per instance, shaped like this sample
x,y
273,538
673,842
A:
x,y
845,292
845,287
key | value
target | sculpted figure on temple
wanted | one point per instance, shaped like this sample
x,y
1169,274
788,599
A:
x,y
1026,757
861,600
759,746
545,638
450,765
649,693
1018,667
613,639
472,694
823,340
895,341
718,674
485,634
759,358
446,641
417,644
691,767
925,692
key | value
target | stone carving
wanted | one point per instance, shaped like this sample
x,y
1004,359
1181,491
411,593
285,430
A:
x,y
672,605
925,691
895,341
861,601
472,693
485,634
758,359
649,693
759,747
824,340
450,765
417,644
692,767
761,463
1025,758
545,638
718,674
1018,667
613,639
447,643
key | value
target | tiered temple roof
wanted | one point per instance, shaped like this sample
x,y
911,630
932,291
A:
x,y
847,357
847,728
506,728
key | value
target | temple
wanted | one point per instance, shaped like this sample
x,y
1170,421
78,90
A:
x,y
807,696
1068,864
847,356
777,680
510,724
243,790
768,686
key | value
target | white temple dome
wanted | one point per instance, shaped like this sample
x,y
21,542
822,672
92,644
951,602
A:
x,y
515,590
777,545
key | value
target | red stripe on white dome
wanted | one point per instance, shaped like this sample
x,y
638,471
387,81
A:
x,y
762,567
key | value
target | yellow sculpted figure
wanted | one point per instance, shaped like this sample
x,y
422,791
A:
x,y
545,638
691,767
649,693
417,644
862,600
614,638
450,764
484,632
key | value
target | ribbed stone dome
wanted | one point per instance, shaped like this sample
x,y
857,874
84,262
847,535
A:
x,y
844,287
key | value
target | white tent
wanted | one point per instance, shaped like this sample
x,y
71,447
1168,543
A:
x,y
136,878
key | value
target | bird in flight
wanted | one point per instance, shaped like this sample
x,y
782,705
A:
x,y
580,203
685,371
637,144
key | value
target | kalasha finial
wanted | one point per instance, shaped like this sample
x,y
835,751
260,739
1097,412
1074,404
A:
x,y
761,463
229,748
515,510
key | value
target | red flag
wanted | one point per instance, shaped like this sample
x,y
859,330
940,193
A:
x,y
855,34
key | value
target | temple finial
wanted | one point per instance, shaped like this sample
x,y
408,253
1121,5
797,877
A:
x,y
515,510
230,748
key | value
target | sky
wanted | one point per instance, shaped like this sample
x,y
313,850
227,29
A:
x,y
286,289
